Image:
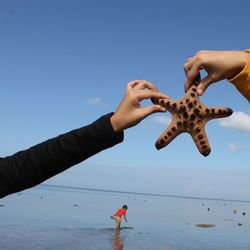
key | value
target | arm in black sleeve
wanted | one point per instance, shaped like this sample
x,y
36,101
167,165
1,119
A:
x,y
30,167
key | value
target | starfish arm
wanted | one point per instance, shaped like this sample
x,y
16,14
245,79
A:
x,y
169,104
189,115
201,141
167,136
218,112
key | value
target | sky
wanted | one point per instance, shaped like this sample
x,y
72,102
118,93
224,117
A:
x,y
65,63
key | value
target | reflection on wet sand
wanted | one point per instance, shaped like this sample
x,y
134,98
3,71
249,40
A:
x,y
117,241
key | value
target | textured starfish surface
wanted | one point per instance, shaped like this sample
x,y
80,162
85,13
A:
x,y
189,115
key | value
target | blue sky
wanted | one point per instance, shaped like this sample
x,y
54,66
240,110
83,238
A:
x,y
65,63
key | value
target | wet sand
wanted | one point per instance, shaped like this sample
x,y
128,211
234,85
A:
x,y
46,218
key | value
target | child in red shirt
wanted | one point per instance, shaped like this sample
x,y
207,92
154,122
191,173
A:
x,y
118,216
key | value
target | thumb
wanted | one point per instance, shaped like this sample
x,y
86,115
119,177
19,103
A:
x,y
152,109
203,84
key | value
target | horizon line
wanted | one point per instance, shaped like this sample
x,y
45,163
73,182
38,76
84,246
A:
x,y
141,193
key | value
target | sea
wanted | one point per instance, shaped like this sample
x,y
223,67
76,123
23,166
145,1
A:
x,y
61,218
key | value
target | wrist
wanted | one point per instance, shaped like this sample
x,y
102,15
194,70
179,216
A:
x,y
243,59
115,123
242,80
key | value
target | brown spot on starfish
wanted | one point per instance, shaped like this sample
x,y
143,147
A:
x,y
189,115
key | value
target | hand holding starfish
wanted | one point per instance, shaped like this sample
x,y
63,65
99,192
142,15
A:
x,y
189,115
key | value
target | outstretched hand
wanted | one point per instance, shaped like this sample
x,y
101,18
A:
x,y
129,112
219,65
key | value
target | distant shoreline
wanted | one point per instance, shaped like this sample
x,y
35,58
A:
x,y
139,193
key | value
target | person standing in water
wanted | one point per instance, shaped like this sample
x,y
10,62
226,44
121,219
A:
x,y
118,216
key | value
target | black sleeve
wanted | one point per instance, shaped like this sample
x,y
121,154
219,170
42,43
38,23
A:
x,y
30,167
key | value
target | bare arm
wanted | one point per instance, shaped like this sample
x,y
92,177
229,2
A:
x,y
125,218
219,65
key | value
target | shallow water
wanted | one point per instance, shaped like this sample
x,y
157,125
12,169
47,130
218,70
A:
x,y
61,218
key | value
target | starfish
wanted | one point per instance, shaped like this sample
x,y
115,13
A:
x,y
189,115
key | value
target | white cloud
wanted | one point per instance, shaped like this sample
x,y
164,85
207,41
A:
x,y
238,120
235,148
96,101
161,120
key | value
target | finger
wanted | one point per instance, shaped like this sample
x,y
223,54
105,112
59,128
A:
x,y
145,85
189,67
191,76
140,85
203,85
132,84
151,94
146,111
190,58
